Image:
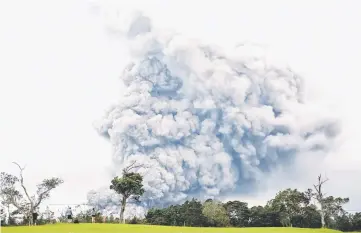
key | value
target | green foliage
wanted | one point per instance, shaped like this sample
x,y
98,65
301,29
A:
x,y
130,184
288,203
8,191
187,214
14,194
264,217
44,188
309,217
238,213
192,213
333,206
215,213
289,207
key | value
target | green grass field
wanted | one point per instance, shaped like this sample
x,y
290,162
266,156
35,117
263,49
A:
x,y
114,228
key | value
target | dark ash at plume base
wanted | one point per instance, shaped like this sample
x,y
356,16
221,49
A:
x,y
206,122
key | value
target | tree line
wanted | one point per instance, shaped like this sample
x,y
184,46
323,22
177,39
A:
x,y
311,208
289,208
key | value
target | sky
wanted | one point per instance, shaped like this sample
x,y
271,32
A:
x,y
60,68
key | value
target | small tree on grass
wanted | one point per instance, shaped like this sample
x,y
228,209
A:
x,y
129,185
20,198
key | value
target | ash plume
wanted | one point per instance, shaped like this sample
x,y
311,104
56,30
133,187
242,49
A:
x,y
207,122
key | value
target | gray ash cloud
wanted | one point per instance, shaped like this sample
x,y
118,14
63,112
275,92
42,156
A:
x,y
207,122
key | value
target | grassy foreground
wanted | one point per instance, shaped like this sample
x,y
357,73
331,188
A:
x,y
115,228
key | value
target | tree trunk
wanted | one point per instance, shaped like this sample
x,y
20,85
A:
x,y
9,214
322,218
121,216
31,221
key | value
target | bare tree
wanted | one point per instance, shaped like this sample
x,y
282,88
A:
x,y
26,204
320,197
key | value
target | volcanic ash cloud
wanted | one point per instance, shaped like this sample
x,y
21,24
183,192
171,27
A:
x,y
208,122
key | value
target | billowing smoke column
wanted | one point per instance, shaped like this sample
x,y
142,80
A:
x,y
206,122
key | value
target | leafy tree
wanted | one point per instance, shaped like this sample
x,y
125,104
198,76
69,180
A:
x,y
215,213
238,213
308,217
156,217
344,222
22,200
8,192
128,186
333,207
356,222
288,203
173,215
192,213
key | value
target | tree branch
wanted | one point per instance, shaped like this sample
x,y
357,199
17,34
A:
x,y
44,189
318,187
41,197
132,165
22,183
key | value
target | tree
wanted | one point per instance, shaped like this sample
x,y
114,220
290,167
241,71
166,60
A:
x,y
25,204
344,222
192,213
333,206
238,213
128,186
157,216
173,215
329,206
215,213
288,203
319,196
7,191
264,217
356,222
309,217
